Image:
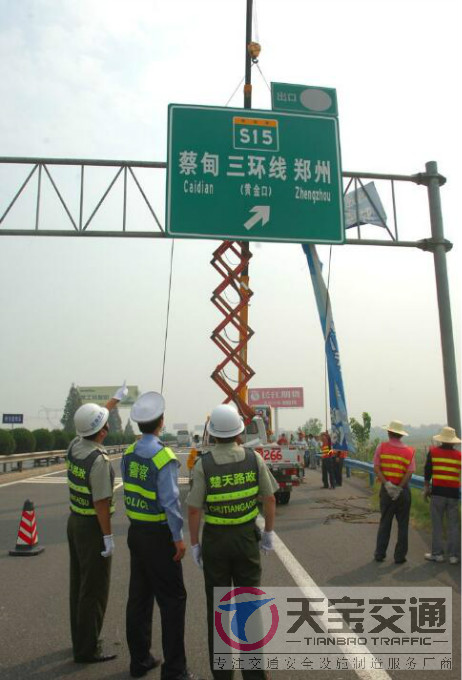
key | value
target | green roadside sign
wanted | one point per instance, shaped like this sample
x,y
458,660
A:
x,y
253,175
317,101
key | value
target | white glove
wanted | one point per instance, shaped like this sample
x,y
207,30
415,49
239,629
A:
x,y
393,490
197,555
389,488
121,392
267,538
109,546
398,490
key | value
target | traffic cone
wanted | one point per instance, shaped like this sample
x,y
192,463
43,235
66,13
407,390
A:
x,y
27,541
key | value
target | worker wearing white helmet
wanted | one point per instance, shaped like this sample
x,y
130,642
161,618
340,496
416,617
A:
x,y
155,540
229,481
91,544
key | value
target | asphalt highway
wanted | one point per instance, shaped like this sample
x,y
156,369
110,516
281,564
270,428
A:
x,y
325,537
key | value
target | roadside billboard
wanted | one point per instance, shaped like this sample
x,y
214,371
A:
x,y
180,426
277,397
101,395
13,419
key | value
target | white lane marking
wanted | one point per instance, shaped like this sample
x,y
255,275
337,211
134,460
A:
x,y
20,481
304,581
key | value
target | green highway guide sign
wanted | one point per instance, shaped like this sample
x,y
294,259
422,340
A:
x,y
253,175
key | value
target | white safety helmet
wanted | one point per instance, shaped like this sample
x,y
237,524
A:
x,y
147,407
89,419
225,422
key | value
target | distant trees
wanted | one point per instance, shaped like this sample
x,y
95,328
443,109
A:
x,y
129,435
61,439
362,436
7,443
24,439
312,426
44,440
73,402
361,432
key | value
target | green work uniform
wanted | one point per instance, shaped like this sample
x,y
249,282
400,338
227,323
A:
x,y
230,548
90,478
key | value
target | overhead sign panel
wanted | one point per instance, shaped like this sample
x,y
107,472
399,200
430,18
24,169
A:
x,y
13,418
253,175
278,397
101,395
317,101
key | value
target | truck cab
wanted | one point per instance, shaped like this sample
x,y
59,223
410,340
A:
x,y
284,462
183,438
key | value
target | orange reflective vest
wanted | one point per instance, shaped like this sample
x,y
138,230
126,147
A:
x,y
446,465
394,461
326,452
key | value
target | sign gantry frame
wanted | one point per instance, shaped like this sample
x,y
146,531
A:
x,y
77,225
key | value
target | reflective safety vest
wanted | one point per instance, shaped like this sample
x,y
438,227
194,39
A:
x,y
78,479
326,452
231,490
341,454
394,461
141,483
446,464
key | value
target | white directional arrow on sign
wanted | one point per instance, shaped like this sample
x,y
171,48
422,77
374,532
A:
x,y
261,213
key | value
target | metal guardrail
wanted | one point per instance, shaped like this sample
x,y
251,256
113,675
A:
x,y
15,460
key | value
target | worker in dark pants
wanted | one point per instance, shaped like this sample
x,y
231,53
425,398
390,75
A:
x,y
339,457
442,485
91,544
327,462
155,541
230,551
394,463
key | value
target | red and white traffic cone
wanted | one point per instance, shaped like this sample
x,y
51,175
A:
x,y
27,541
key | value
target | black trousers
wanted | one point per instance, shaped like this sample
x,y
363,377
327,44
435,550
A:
x,y
338,470
389,509
89,584
231,556
327,471
155,576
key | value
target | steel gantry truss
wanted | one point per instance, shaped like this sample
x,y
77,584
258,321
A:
x,y
80,222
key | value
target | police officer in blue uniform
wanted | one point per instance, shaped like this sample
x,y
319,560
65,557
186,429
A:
x,y
155,541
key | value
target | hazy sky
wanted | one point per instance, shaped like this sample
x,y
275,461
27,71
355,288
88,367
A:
x,y
93,79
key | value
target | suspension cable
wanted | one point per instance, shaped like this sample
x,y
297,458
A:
x,y
237,88
168,314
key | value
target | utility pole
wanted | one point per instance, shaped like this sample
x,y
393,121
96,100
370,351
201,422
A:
x,y
245,245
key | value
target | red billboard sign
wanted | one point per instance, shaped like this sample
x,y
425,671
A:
x,y
278,397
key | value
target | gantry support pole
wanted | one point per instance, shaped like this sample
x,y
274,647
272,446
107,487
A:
x,y
439,246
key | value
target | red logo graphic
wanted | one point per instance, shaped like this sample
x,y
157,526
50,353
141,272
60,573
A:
x,y
242,612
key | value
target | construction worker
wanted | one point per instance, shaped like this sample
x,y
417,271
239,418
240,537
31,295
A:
x,y
229,553
155,541
283,441
91,543
442,468
339,457
327,461
394,463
